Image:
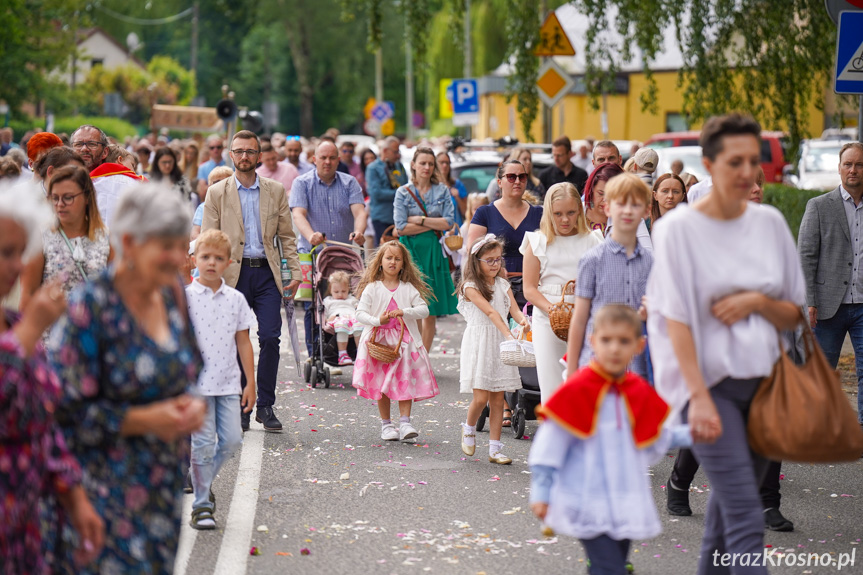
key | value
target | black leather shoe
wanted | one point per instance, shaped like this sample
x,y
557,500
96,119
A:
x,y
266,417
244,420
187,486
678,501
775,521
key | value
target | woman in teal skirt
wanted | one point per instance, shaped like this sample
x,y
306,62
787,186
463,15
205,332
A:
x,y
423,212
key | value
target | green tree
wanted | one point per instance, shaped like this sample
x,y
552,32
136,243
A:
x,y
767,58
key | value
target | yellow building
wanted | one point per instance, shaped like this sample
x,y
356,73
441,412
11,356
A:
x,y
573,115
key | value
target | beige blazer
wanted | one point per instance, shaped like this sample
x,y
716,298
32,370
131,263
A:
x,y
222,211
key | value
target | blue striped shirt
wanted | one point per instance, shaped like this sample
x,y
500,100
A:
x,y
328,206
250,201
606,275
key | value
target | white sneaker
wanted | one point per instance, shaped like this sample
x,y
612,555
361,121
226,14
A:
x,y
407,431
389,432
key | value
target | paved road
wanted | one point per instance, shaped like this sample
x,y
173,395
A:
x,y
329,485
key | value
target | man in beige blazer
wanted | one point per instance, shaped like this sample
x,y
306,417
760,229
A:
x,y
254,213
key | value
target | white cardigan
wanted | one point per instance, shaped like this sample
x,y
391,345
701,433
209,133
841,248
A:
x,y
375,299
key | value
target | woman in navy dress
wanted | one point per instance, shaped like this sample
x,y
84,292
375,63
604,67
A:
x,y
510,218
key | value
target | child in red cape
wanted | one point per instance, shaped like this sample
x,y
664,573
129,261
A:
x,y
601,430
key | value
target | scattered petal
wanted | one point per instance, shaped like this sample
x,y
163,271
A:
x,y
305,551
263,529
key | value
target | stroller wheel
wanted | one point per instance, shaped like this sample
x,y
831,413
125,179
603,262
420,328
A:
x,y
480,423
518,421
313,377
307,372
327,377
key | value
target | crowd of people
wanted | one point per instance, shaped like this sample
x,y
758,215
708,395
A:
x,y
132,273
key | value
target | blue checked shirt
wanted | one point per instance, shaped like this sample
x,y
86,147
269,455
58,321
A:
x,y
607,276
328,207
250,202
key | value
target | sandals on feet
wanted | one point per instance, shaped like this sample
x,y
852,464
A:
x,y
507,419
202,519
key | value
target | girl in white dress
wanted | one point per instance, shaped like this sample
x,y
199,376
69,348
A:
x,y
485,298
551,256
340,309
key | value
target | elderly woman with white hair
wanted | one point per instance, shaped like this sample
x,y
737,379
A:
x,y
37,465
129,360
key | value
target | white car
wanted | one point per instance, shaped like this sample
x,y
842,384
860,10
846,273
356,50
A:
x,y
818,168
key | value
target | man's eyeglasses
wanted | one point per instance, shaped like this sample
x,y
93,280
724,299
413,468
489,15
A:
x,y
215,147
63,200
347,150
89,145
241,153
495,261
511,178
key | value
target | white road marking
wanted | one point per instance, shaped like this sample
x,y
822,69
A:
x,y
234,551
187,537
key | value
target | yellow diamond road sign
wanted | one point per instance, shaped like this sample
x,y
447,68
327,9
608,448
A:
x,y
553,83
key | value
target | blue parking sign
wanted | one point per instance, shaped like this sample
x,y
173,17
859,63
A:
x,y
465,97
849,54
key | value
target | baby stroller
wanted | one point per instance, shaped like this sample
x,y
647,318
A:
x,y
328,258
522,402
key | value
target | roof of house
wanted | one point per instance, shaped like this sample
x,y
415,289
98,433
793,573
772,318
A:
x,y
86,34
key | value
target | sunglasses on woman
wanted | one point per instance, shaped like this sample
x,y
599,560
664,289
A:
x,y
511,178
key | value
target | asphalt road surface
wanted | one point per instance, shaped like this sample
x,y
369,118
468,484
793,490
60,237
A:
x,y
327,496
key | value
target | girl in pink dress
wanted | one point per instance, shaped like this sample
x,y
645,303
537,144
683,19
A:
x,y
391,288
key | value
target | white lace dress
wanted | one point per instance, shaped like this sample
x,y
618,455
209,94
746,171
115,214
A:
x,y
481,367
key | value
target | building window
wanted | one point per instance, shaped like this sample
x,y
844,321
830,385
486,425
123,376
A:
x,y
675,122
97,62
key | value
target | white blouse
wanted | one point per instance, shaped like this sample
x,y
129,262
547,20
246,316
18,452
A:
x,y
563,254
699,260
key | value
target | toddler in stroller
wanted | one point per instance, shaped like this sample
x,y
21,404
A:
x,y
340,311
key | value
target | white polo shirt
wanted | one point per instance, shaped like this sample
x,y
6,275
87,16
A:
x,y
217,317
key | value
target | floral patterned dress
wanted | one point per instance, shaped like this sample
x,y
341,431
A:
x,y
62,264
34,459
109,364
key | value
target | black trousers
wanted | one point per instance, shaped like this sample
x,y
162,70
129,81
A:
x,y
686,465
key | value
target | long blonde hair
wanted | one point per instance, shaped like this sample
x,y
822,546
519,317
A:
x,y
409,273
559,192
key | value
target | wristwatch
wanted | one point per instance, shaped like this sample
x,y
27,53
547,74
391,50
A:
x,y
423,221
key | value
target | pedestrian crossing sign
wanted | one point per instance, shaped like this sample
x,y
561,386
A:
x,y
849,54
553,41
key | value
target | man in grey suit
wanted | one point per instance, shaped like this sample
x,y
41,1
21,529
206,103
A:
x,y
830,243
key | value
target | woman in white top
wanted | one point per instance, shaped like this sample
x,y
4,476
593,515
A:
x,y
725,278
551,256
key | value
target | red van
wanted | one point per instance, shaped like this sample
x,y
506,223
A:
x,y
773,148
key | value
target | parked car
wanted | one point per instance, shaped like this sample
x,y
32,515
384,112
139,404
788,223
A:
x,y
774,146
689,155
818,168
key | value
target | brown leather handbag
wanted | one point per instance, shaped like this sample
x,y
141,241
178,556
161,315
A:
x,y
388,236
801,413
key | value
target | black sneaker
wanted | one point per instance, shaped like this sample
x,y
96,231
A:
x,y
266,417
775,521
677,501
244,420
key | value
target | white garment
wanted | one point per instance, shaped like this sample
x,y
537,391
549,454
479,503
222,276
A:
x,y
697,261
585,164
343,307
641,234
108,192
558,263
217,317
601,486
699,190
481,367
375,299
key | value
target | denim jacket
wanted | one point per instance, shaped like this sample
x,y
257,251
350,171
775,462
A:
x,y
437,201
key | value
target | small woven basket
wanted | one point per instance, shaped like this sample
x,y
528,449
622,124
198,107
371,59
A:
x,y
455,241
560,314
384,353
518,352
388,236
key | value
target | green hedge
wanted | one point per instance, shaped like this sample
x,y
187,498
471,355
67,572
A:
x,y
790,201
114,127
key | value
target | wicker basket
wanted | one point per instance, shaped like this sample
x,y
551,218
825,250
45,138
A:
x,y
560,314
388,236
455,241
517,352
383,353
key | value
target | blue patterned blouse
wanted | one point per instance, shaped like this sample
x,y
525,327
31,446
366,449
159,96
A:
x,y
109,364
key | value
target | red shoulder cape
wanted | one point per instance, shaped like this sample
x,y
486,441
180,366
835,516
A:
x,y
575,405
111,169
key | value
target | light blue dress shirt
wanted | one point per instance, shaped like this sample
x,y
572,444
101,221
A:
x,y
250,201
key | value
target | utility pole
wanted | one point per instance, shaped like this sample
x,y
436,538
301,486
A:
x,y
193,57
468,53
409,81
379,79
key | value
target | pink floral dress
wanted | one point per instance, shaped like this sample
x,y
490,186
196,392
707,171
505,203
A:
x,y
408,377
